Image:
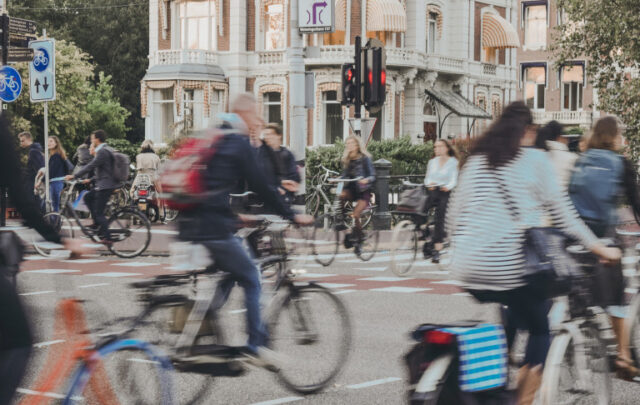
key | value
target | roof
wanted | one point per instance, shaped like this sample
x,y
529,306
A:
x,y
185,71
456,103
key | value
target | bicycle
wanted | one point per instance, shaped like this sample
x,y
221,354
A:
x,y
129,230
40,59
326,243
10,83
316,196
189,327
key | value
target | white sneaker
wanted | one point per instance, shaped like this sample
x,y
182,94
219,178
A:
x,y
264,358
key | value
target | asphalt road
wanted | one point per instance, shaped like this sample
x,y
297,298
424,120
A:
x,y
382,309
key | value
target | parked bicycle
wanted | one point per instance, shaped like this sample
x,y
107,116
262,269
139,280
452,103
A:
x,y
327,227
129,230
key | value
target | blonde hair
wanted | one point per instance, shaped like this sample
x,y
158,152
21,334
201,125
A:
x,y
58,149
147,144
362,150
604,133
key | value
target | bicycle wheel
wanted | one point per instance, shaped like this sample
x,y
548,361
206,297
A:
x,y
311,330
127,371
62,225
312,202
130,233
325,240
404,247
369,244
119,199
170,215
577,370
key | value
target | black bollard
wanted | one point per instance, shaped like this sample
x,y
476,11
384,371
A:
x,y
382,216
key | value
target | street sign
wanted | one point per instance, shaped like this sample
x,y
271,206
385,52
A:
x,y
20,55
20,40
316,16
10,84
21,26
42,71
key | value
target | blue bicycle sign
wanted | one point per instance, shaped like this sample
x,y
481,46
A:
x,y
10,84
41,59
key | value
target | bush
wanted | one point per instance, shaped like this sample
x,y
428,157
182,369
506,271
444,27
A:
x,y
124,146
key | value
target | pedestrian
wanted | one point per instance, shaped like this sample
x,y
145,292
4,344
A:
x,y
83,156
57,170
286,162
602,176
504,189
550,136
15,334
35,161
267,160
105,182
440,180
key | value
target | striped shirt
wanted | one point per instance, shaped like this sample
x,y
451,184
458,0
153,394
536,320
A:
x,y
487,237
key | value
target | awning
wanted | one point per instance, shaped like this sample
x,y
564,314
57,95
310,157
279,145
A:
x,y
386,15
498,32
457,104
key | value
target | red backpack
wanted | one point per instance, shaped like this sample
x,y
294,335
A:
x,y
182,178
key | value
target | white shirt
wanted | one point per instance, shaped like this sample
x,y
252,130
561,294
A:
x,y
563,161
442,176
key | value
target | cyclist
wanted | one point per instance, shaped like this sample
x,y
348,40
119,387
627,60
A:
x,y
105,183
290,178
600,178
441,178
213,224
356,162
503,189
15,334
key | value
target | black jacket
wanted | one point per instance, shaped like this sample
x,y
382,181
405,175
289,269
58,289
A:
x,y
361,167
57,166
102,166
288,166
35,162
233,165
21,193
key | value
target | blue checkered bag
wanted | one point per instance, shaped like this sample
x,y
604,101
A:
x,y
483,356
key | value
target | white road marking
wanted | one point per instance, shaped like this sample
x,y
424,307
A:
x,y
279,401
163,232
34,257
344,291
37,292
335,286
374,382
450,282
45,394
134,264
440,272
386,279
113,274
317,275
136,360
629,259
49,343
93,285
400,289
53,271
84,261
631,290
238,311
383,268
462,294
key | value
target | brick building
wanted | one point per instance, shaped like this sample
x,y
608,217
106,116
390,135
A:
x,y
450,64
553,92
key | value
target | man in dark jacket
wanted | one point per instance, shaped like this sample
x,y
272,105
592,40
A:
x,y
35,161
105,183
289,176
213,223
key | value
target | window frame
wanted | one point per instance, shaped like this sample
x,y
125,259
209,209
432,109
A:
x,y
266,104
580,87
161,105
325,117
212,25
526,6
432,43
544,85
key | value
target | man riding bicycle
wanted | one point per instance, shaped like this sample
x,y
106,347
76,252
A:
x,y
213,223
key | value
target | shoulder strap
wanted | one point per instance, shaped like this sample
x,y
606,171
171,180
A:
x,y
513,208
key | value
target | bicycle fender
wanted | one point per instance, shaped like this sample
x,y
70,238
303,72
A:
x,y
433,378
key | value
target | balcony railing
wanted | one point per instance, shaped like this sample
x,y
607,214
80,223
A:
x,y
583,118
178,56
271,57
489,69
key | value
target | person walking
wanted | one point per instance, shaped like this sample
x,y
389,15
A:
x,y
441,178
504,189
290,177
57,170
601,177
35,161
105,182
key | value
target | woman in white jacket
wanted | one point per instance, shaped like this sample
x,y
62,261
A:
x,y
550,138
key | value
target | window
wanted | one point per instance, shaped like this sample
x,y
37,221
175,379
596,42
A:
x,y
216,103
432,32
188,108
332,117
534,87
496,106
572,78
163,114
482,101
428,109
334,38
274,37
535,26
198,24
272,108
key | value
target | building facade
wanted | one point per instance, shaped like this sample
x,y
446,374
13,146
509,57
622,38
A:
x,y
553,92
451,64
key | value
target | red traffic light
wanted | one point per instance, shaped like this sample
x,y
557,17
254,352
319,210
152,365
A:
x,y
349,74
370,77
383,77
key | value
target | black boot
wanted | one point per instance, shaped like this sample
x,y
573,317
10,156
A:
x,y
436,256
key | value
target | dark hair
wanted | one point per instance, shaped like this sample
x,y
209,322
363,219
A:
x,y
25,134
100,134
275,127
630,184
451,150
550,132
501,142
604,133
87,140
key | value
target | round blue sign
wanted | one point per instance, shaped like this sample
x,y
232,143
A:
x,y
41,59
10,84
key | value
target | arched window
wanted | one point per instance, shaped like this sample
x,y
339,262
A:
x,y
428,109
496,105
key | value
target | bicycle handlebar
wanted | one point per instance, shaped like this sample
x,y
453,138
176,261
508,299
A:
x,y
623,232
410,184
341,180
328,170
241,195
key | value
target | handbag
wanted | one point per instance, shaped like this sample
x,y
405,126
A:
x,y
548,269
412,200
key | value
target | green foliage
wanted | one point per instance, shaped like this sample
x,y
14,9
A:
x,y
573,131
105,110
405,157
606,33
124,146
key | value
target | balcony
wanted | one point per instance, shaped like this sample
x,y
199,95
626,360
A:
x,y
271,57
582,118
180,56
339,54
446,64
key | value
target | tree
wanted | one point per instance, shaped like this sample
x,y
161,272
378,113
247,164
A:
x,y
606,33
105,110
114,33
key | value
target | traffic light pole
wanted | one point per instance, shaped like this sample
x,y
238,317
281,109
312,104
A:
x,y
357,125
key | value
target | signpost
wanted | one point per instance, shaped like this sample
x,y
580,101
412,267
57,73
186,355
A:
x,y
316,16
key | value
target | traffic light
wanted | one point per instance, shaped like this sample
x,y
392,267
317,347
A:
x,y
349,84
375,84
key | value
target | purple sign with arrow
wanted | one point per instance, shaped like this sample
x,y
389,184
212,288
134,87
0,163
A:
x,y
316,15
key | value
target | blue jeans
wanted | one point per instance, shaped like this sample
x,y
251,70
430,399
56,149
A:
x,y
55,189
231,257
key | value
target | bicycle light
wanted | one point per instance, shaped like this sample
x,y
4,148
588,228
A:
x,y
438,337
143,193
